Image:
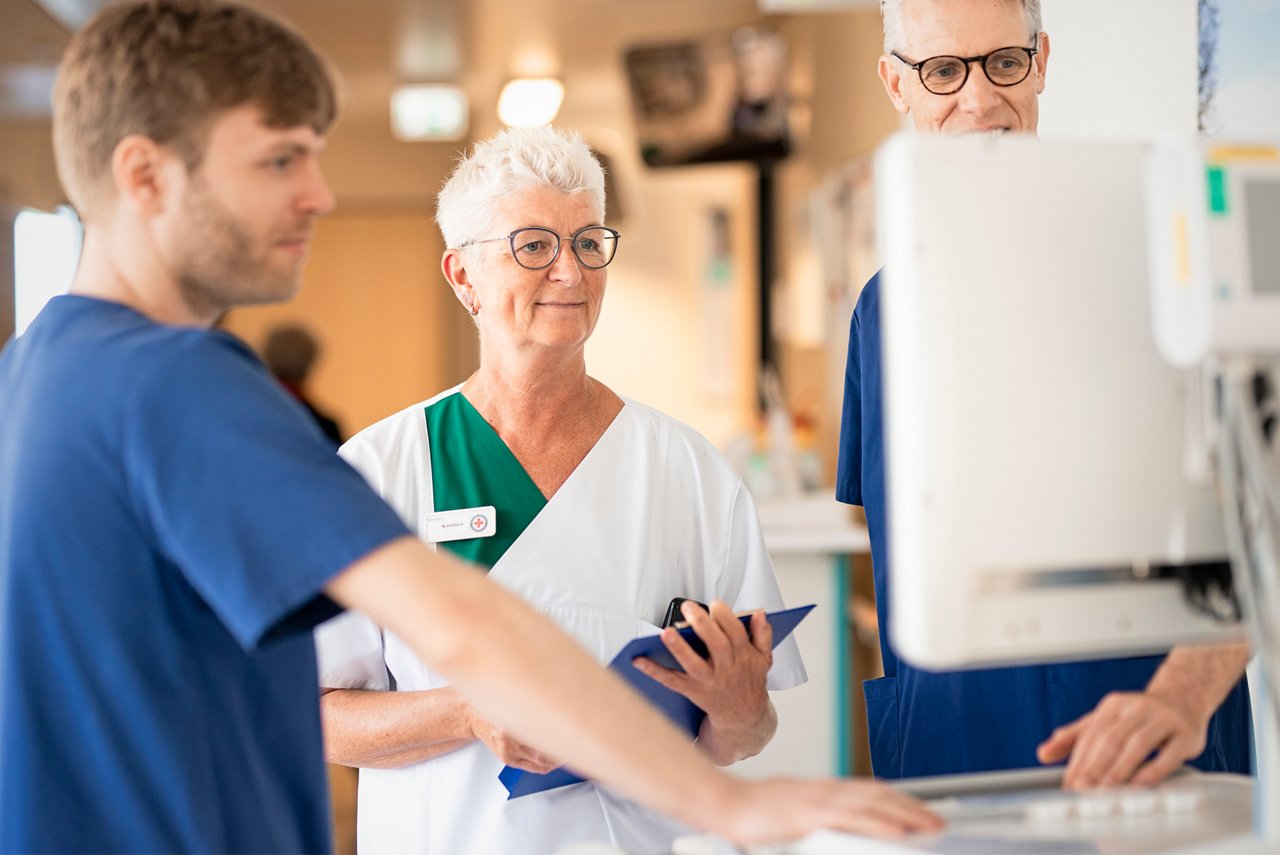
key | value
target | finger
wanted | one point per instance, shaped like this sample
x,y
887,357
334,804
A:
x,y
902,810
540,762
1097,726
1137,748
537,764
673,680
1164,764
892,814
868,825
709,629
730,624
513,752
762,633
1095,751
693,664
909,814
1061,742
905,804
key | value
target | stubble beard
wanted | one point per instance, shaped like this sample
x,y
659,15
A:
x,y
222,265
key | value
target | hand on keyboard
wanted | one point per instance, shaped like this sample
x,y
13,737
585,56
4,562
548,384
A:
x,y
1133,737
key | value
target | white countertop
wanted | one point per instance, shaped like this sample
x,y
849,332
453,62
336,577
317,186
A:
x,y
812,523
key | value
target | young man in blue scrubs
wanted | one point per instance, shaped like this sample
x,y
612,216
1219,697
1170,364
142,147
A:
x,y
173,524
1117,720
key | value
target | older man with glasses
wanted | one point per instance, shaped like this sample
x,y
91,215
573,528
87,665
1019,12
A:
x,y
1117,720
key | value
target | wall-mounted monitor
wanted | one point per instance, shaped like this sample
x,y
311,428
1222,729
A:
x,y
716,98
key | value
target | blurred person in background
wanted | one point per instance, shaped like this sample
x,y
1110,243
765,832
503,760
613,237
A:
x,y
290,352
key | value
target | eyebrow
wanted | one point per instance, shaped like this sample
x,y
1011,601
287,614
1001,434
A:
x,y
290,148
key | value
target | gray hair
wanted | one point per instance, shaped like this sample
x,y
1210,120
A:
x,y
895,37
513,160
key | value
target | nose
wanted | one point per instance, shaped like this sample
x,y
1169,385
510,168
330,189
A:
x,y
978,94
317,198
566,268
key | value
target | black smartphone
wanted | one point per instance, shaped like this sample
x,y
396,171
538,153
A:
x,y
673,615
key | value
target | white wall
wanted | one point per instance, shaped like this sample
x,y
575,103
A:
x,y
1120,68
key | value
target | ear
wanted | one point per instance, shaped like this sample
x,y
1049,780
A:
x,y
1042,61
455,273
139,168
891,77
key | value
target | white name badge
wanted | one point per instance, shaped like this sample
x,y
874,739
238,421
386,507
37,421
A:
x,y
462,524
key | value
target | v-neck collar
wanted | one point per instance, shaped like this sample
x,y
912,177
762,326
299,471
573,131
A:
x,y
473,467
582,464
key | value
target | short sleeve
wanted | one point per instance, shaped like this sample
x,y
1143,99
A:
x,y
849,458
350,653
350,648
242,492
747,560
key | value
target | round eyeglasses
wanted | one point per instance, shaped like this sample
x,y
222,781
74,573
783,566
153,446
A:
x,y
947,75
535,247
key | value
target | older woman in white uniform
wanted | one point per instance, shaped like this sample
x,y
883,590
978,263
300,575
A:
x,y
604,510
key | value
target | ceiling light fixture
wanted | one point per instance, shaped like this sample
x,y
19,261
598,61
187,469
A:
x,y
428,112
530,102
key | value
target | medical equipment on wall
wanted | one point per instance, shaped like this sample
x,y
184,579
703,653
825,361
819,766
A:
x,y
1214,238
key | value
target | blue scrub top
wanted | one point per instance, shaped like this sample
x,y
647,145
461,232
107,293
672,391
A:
x,y
932,723
169,518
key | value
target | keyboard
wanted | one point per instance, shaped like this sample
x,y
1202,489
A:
x,y
1026,811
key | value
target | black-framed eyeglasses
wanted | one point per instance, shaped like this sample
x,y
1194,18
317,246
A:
x,y
535,247
947,75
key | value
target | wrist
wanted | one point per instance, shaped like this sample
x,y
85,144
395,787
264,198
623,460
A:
x,y
720,802
1192,707
1195,680
727,743
460,712
744,715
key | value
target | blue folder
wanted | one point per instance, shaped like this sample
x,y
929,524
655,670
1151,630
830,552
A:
x,y
682,711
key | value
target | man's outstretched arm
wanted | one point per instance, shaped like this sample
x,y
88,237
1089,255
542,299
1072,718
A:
x,y
531,679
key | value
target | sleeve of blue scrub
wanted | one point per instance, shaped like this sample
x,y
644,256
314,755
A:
x,y
849,459
243,492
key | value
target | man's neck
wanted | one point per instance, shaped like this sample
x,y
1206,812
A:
x,y
112,269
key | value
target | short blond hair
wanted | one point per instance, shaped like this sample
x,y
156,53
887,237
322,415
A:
x,y
164,69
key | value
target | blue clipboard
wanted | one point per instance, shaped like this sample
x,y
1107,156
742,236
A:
x,y
682,711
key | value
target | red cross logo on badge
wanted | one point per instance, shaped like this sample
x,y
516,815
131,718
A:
x,y
479,522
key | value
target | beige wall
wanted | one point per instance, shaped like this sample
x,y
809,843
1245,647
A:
x,y
373,297
28,176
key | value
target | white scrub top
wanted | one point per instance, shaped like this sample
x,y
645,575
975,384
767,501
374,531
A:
x,y
654,511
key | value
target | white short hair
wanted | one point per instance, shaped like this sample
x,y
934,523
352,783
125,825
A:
x,y
513,160
895,38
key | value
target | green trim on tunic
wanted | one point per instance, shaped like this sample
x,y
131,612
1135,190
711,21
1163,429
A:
x,y
472,467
